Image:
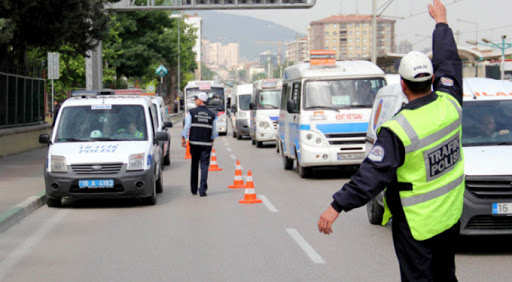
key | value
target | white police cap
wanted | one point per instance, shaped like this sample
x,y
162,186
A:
x,y
413,64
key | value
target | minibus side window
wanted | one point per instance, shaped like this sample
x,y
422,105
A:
x,y
284,96
296,95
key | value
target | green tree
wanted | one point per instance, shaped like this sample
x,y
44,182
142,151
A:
x,y
47,25
206,73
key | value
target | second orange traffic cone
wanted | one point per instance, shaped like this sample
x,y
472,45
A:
x,y
187,153
250,195
213,163
239,180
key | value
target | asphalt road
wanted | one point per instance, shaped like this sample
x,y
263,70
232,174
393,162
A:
x,y
188,238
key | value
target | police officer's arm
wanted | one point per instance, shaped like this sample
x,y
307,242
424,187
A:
x,y
375,174
445,58
186,129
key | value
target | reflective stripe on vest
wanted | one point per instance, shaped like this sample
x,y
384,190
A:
x,y
200,143
433,164
201,125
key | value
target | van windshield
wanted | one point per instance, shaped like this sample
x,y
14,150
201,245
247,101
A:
x,y
487,123
339,94
244,101
269,99
102,122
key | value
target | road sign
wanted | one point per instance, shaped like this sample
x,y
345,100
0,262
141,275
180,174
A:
x,y
53,65
161,71
150,88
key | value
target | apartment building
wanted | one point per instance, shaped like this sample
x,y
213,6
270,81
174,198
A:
x,y
351,36
297,50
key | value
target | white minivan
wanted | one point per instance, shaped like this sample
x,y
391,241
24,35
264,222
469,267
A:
x,y
266,97
487,147
104,146
324,113
240,112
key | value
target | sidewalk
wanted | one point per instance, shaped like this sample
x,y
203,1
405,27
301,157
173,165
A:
x,y
21,185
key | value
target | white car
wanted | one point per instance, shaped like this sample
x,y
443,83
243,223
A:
x,y
104,146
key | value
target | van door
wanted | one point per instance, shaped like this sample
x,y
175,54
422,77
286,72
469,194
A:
x,y
294,120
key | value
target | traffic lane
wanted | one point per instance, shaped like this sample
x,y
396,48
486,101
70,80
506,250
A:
x,y
476,256
21,177
183,238
354,244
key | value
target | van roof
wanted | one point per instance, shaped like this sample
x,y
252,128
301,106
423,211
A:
x,y
342,68
243,89
114,100
478,88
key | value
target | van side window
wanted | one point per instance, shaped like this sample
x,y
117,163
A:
x,y
284,96
295,95
153,117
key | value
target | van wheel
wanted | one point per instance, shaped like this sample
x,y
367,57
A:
x,y
375,212
287,163
234,134
151,200
159,184
304,172
277,147
53,202
239,136
167,158
259,144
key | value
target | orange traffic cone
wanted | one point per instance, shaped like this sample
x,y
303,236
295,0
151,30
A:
x,y
187,153
239,180
213,163
249,196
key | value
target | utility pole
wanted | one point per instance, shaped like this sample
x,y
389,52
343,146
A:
x,y
374,32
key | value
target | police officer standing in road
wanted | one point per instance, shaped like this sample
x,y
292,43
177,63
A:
x,y
418,157
201,123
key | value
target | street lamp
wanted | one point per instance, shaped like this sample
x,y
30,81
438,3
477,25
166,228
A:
x,y
503,46
179,17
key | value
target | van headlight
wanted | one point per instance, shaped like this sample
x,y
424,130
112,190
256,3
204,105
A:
x,y
136,162
313,139
58,164
264,124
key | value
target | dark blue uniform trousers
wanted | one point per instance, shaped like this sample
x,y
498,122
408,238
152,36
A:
x,y
200,155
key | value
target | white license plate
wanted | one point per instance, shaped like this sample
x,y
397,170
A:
x,y
96,183
502,208
350,156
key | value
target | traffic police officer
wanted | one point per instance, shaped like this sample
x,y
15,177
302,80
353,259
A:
x,y
418,157
201,122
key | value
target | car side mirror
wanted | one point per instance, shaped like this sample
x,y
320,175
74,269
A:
x,y
168,124
291,107
162,136
44,139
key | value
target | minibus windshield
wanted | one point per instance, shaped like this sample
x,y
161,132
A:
x,y
269,99
340,94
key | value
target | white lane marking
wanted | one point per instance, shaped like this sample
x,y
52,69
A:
x,y
267,203
306,247
229,149
19,253
233,157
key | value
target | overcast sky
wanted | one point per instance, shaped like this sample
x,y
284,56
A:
x,y
413,23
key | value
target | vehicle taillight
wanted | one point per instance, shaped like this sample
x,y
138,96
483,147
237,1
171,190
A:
x,y
220,113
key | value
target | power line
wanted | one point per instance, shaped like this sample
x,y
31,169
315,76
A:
x,y
426,11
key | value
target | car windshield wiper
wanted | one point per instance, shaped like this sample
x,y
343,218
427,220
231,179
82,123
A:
x,y
72,140
322,107
505,143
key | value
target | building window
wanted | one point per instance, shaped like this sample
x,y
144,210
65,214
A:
x,y
334,33
350,40
343,26
327,41
326,33
333,25
334,48
334,41
350,33
365,25
358,40
364,39
364,48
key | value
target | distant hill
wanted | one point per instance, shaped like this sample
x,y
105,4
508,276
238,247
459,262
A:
x,y
227,28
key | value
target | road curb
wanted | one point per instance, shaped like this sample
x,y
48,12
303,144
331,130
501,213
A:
x,y
15,214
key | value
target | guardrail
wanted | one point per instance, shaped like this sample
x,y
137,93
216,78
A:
x,y
175,118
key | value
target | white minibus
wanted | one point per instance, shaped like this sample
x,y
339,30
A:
x,y
240,112
217,100
324,113
265,110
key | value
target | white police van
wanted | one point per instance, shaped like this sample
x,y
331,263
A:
x,y
324,113
266,97
487,147
240,112
104,146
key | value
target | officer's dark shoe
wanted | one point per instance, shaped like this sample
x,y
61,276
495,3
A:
x,y
202,194
194,193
